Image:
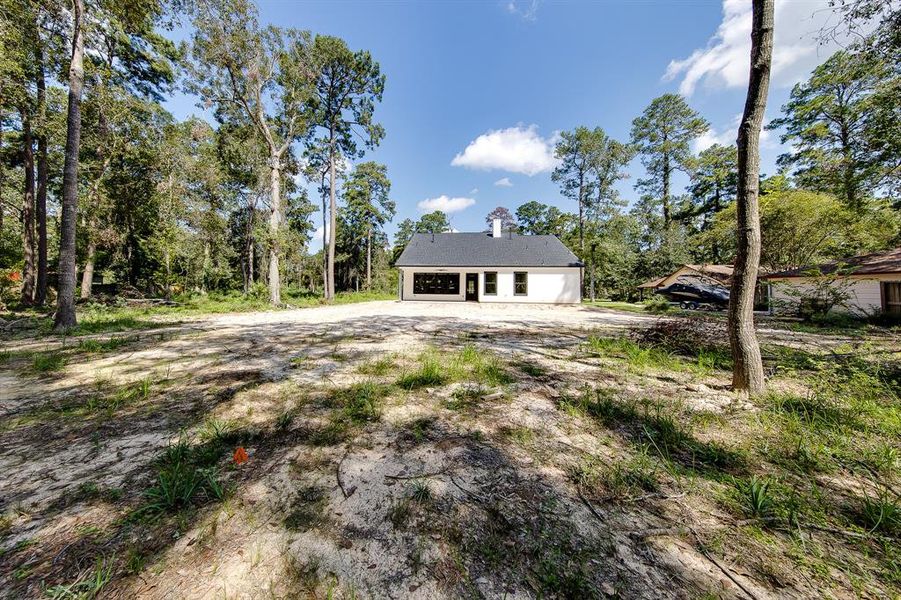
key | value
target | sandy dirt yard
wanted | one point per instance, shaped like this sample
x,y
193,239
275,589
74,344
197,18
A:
x,y
394,450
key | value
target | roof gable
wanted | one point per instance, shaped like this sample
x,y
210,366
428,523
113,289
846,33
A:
x,y
483,250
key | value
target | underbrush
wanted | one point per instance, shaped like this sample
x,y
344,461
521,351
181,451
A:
x,y
118,315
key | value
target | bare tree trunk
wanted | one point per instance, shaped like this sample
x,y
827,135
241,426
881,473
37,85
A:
x,y
667,170
28,270
65,308
592,272
333,222
747,372
248,252
369,259
40,295
324,239
275,222
581,218
167,260
2,177
87,276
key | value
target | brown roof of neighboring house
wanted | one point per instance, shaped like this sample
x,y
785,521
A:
x,y
718,272
652,283
877,263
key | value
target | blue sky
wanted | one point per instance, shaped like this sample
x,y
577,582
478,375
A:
x,y
476,91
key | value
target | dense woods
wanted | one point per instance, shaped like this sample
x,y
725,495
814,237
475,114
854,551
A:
x,y
115,191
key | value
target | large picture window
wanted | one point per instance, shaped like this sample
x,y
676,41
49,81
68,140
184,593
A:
x,y
436,283
520,283
490,283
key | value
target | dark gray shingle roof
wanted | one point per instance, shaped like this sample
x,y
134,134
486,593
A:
x,y
482,250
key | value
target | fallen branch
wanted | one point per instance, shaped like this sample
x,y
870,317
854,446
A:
x,y
344,492
720,566
590,507
683,529
420,476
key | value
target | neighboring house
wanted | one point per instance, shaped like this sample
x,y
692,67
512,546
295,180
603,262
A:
x,y
714,273
693,285
867,284
489,267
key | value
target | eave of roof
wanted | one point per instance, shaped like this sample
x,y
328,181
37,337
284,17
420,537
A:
x,y
481,250
876,263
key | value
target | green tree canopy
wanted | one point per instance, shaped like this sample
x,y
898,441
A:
x,y
535,218
827,119
662,135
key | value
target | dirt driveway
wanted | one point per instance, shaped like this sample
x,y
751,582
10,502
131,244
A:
x,y
395,450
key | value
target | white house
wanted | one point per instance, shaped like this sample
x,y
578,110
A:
x,y
489,267
871,283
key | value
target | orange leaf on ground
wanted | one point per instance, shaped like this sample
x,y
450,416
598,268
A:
x,y
240,456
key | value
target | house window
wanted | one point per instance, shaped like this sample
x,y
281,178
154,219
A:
x,y
436,283
490,283
520,283
891,297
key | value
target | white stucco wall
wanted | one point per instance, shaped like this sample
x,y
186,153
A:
x,y
865,294
546,285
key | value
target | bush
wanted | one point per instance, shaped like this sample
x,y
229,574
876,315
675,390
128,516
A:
x,y
657,304
688,337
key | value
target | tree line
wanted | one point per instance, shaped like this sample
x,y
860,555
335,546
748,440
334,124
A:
x,y
167,206
97,178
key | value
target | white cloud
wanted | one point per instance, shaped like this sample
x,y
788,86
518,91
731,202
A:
x,y
504,182
517,149
527,9
445,204
727,136
473,191
725,62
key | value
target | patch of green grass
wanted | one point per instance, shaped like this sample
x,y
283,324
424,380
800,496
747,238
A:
x,y
632,307
48,362
284,420
420,491
362,402
881,512
186,475
216,431
639,359
6,523
521,435
417,429
87,586
754,497
623,479
379,367
91,345
429,373
470,363
138,391
658,425
399,512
